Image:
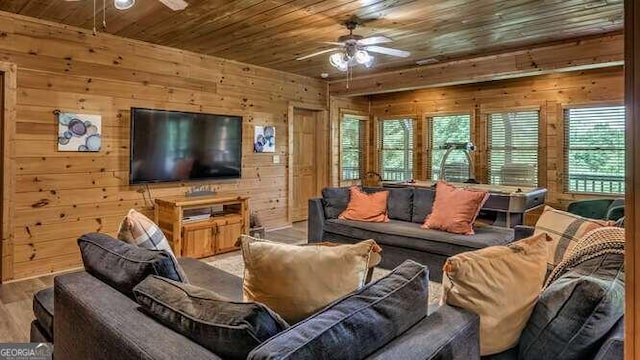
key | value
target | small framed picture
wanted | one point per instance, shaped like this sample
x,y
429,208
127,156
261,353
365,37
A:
x,y
79,132
264,140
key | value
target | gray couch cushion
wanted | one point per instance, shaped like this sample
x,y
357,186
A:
x,y
400,203
43,310
576,311
422,204
211,278
412,236
229,329
121,265
335,200
358,324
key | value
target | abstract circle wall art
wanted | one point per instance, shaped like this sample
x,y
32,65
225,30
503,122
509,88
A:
x,y
264,139
79,132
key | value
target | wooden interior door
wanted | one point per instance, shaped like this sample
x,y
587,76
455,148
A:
x,y
305,166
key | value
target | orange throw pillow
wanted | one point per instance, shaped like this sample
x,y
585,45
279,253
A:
x,y
455,209
366,207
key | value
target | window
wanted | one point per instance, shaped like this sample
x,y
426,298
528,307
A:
x,y
448,129
513,148
395,144
352,141
594,149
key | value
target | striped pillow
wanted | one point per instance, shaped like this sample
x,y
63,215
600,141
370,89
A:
x,y
565,230
139,230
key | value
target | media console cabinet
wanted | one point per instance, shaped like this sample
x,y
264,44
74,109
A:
x,y
209,235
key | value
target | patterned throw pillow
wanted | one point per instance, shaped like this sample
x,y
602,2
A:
x,y
565,230
139,230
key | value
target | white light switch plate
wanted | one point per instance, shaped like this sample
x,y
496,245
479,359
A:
x,y
276,159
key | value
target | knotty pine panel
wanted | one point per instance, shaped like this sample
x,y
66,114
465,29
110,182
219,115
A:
x,y
60,196
549,93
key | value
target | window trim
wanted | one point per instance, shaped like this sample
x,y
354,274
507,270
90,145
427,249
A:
x,y
427,133
364,156
563,146
377,143
540,153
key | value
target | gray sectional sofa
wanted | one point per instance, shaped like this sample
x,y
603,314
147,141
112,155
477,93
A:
x,y
402,237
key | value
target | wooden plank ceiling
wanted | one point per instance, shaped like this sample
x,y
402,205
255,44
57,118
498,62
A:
x,y
273,33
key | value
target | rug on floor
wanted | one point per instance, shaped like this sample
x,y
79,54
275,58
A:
x,y
232,263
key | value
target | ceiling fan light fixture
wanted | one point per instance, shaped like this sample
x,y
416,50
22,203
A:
x,y
364,58
338,61
123,4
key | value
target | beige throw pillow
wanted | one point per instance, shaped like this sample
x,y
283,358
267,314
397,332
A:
x,y
297,281
499,283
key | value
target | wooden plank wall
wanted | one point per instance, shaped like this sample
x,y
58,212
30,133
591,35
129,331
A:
x,y
358,105
59,196
548,93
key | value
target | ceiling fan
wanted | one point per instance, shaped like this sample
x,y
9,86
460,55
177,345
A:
x,y
354,49
174,5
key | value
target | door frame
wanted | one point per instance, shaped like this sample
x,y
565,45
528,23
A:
x,y
322,144
7,162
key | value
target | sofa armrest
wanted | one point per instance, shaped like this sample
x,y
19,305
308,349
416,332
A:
x,y
94,321
522,231
613,346
448,333
315,223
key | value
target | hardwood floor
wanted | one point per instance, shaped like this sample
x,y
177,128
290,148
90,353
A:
x,y
16,311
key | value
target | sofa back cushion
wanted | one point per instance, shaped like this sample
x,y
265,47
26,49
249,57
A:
x,y
359,323
229,329
122,265
576,311
335,201
422,204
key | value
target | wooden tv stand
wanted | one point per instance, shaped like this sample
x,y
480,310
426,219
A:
x,y
204,237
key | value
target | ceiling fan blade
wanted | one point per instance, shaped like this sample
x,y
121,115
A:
x,y
175,5
318,53
332,43
388,51
374,40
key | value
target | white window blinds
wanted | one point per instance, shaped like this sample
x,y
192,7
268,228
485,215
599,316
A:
x,y
352,141
448,129
594,149
513,148
395,149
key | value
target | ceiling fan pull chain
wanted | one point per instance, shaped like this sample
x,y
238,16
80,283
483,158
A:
x,y
94,18
104,15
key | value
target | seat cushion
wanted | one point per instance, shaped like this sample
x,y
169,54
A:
x,y
211,278
227,328
121,265
43,310
359,323
576,311
411,236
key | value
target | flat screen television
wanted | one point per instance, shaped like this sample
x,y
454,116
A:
x,y
177,146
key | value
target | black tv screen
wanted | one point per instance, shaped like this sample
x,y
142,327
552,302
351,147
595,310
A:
x,y
176,146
